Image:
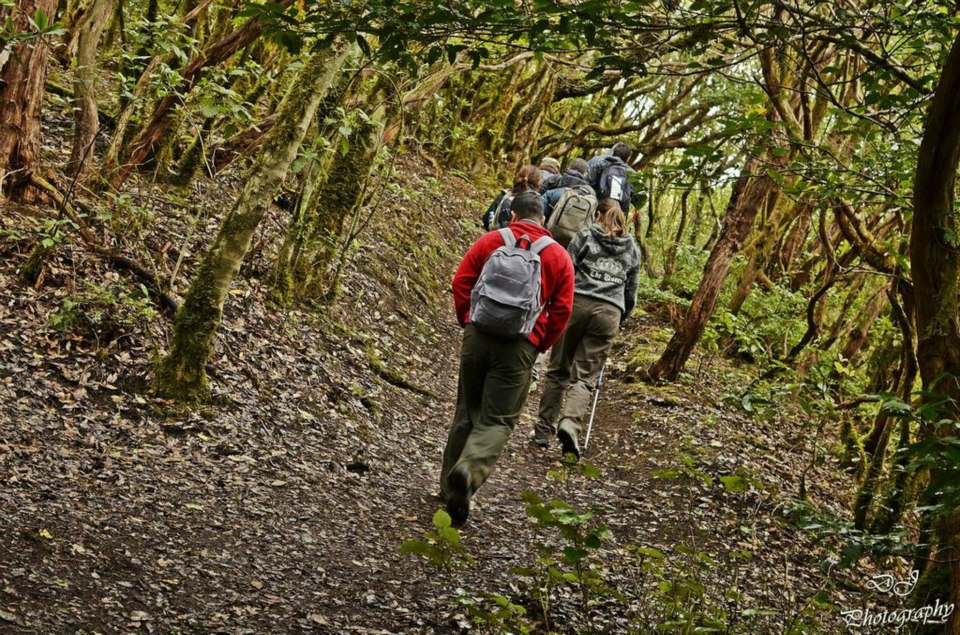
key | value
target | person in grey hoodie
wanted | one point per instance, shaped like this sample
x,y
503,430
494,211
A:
x,y
606,262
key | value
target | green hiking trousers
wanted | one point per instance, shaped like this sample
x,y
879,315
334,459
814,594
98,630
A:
x,y
494,381
575,362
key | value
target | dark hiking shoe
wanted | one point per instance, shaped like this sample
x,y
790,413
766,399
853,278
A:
x,y
458,501
538,440
568,446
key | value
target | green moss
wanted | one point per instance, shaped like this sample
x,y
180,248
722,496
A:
x,y
30,270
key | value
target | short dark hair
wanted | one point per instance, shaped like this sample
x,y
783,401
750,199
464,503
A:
x,y
527,205
622,151
578,165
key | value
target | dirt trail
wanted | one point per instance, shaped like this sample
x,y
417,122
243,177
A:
x,y
283,510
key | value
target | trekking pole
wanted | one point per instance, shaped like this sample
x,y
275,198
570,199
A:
x,y
593,411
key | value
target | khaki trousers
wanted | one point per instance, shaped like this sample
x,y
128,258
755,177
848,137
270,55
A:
x,y
574,365
493,387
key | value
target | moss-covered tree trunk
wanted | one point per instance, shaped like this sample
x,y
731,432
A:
x,y
761,249
748,195
935,266
85,105
22,77
791,244
525,120
320,231
181,373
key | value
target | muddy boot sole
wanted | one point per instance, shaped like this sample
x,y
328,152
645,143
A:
x,y
458,500
568,446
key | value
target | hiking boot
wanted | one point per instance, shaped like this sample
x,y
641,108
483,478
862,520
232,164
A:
x,y
458,501
568,445
539,441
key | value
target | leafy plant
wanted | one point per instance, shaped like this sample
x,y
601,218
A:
x,y
495,613
442,547
104,312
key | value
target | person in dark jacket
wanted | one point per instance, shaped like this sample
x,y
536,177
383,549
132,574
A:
x,y
497,215
552,189
494,370
607,266
576,174
619,153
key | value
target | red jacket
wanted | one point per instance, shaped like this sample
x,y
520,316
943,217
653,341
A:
x,y
556,282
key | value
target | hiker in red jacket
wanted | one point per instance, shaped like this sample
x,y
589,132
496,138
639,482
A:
x,y
498,350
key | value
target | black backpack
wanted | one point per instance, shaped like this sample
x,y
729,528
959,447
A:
x,y
503,212
615,184
499,216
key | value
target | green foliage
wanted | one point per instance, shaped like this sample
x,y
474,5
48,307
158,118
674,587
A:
x,y
54,231
495,613
104,312
569,541
39,25
937,453
846,543
441,548
686,467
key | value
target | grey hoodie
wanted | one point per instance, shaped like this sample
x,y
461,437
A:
x,y
607,268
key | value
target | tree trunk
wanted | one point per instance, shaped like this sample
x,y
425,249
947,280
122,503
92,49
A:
x,y
85,105
181,373
776,221
935,265
22,80
794,240
670,259
748,195
875,446
524,121
335,202
857,337
162,117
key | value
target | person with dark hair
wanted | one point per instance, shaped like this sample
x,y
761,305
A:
x,y
607,266
609,175
513,293
498,214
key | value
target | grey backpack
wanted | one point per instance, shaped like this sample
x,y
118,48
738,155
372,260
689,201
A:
x,y
505,300
573,211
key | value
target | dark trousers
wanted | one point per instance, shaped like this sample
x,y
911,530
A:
x,y
494,381
574,365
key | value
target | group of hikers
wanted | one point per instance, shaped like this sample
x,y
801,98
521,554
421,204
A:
x,y
556,270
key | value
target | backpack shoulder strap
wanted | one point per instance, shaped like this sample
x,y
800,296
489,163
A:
x,y
507,237
541,243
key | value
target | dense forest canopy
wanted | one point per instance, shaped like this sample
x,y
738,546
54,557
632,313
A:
x,y
794,186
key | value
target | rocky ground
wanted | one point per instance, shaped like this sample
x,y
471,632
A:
x,y
282,506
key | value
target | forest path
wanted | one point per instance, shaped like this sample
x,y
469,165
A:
x,y
283,509
641,433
